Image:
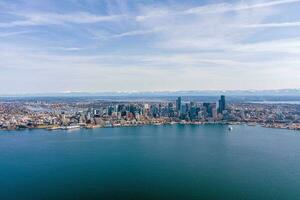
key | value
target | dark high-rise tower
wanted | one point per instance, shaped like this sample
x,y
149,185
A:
x,y
222,104
178,104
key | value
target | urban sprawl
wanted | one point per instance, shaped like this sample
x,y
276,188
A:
x,y
95,113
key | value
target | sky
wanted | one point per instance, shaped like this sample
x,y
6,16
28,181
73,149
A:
x,y
148,45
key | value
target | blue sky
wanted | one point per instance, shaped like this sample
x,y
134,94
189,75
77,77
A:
x,y
119,45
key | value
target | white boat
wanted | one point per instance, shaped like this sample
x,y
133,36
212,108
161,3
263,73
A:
x,y
54,128
70,127
230,128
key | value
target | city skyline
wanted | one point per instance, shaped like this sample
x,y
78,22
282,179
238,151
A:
x,y
87,113
94,46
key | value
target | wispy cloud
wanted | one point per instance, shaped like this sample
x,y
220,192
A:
x,y
273,25
67,49
155,13
8,34
211,9
163,45
225,7
283,46
137,32
35,19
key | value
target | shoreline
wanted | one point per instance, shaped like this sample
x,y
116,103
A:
x,y
295,127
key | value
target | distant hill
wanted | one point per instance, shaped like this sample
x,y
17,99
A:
x,y
280,92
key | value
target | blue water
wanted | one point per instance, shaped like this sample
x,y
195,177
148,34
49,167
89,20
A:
x,y
153,162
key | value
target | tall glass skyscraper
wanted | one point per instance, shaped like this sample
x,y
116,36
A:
x,y
222,104
178,104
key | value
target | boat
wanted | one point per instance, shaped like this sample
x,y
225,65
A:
x,y
53,128
230,128
70,127
252,124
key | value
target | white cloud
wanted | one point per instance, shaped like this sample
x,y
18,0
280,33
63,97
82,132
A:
x,y
287,46
216,32
273,25
154,13
137,32
204,47
8,34
35,19
133,33
219,8
226,7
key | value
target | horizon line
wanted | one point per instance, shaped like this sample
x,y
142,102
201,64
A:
x,y
115,93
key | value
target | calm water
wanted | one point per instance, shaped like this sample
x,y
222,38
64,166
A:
x,y
154,162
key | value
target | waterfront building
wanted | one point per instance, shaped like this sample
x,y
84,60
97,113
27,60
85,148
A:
x,y
16,115
210,110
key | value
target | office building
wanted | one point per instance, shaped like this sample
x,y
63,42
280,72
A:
x,y
222,104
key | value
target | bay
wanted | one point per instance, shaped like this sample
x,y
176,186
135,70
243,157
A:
x,y
151,162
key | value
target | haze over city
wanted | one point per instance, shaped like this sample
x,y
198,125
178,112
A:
x,y
93,46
